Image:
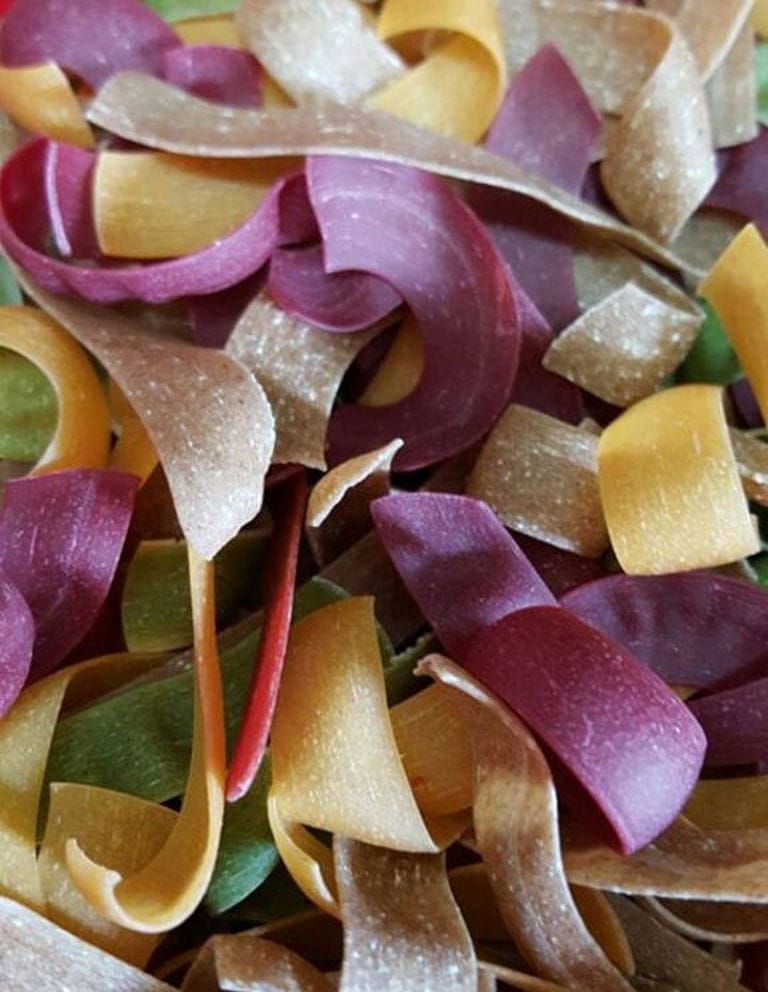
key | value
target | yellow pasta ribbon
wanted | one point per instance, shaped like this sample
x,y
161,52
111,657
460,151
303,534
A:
x,y
335,762
308,861
729,804
217,30
158,205
670,486
171,885
82,435
457,89
736,289
123,829
400,371
134,451
759,17
40,99
26,733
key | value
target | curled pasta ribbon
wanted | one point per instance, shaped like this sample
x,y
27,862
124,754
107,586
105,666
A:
x,y
670,487
82,435
457,89
134,451
169,888
40,99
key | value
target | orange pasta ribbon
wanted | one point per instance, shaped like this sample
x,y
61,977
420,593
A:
x,y
82,435
169,888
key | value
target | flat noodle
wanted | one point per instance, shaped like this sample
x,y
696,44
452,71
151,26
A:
x,y
157,115
309,862
208,419
335,485
39,99
540,476
153,205
759,18
602,267
25,739
402,929
218,29
112,826
400,369
670,486
732,94
38,956
82,435
300,369
658,163
436,751
337,512
365,570
668,959
244,961
710,27
623,348
752,459
685,862
602,922
458,87
729,804
736,290
342,59
515,817
519,979
133,451
342,772
724,923
169,887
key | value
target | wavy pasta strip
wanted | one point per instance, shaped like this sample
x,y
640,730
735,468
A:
x,y
658,164
402,928
515,817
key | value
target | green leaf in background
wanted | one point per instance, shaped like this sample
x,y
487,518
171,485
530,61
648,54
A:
x,y
761,71
711,359
10,292
28,408
180,10
156,607
247,854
